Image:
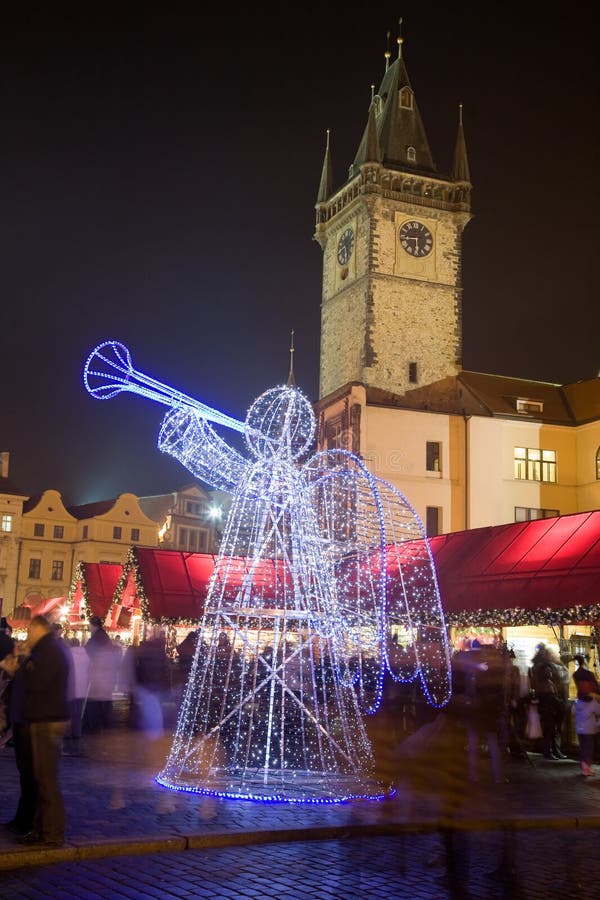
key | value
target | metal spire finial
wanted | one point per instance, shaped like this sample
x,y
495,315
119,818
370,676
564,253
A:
x,y
460,109
400,39
387,53
291,382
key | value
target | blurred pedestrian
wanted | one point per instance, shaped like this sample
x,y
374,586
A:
x,y
587,725
80,675
548,683
584,678
46,714
103,674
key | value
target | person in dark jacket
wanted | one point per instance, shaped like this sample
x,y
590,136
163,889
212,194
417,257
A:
x,y
46,714
23,819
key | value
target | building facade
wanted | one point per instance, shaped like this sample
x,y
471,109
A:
x,y
468,449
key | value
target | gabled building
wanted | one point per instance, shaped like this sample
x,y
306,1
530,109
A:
x,y
188,519
11,520
468,449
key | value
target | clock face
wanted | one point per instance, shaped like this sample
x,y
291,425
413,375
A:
x,y
345,246
415,238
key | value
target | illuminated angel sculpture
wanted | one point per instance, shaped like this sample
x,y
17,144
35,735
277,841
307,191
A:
x,y
324,580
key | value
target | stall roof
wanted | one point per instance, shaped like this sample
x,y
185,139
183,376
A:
x,y
96,584
548,563
173,583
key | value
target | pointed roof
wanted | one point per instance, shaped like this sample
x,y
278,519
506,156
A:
x,y
399,125
370,149
326,183
460,163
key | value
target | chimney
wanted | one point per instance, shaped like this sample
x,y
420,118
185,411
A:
x,y
4,456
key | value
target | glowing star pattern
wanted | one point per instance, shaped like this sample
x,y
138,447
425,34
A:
x,y
324,580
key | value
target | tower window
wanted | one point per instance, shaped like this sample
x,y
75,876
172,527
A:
x,y
412,372
411,154
406,98
434,456
433,520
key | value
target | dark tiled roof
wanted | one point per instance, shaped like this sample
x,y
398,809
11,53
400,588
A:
x,y
89,510
8,487
479,394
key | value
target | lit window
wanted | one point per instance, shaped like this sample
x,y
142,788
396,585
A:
x,y
535,465
6,522
135,534
35,567
38,529
530,407
433,520
597,467
59,532
527,514
411,154
117,531
57,569
434,456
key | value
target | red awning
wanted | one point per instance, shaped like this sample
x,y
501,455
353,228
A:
x,y
175,584
549,563
97,583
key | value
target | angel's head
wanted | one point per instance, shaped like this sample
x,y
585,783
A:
x,y
280,423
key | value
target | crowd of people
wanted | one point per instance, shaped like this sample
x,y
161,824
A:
x,y
53,691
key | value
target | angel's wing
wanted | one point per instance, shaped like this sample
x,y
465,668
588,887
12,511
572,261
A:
x,y
388,602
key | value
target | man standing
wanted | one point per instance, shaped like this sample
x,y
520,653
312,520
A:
x,y
46,714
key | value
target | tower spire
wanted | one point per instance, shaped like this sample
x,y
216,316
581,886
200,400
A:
x,y
400,39
460,163
387,53
326,183
291,382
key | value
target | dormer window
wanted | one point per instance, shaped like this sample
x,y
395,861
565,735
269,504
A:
x,y
406,98
378,104
411,154
529,407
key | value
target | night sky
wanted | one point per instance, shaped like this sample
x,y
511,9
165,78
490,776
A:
x,y
160,171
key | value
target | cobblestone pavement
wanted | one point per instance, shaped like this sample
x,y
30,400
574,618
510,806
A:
x,y
556,864
202,847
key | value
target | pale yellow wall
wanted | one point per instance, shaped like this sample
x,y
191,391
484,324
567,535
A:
x,y
49,512
588,442
10,542
395,450
393,445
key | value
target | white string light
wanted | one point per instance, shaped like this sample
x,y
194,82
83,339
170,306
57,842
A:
x,y
324,580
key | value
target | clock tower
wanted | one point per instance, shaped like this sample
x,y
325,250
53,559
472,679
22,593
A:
x,y
391,241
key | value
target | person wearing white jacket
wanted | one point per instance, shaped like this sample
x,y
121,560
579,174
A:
x,y
587,724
